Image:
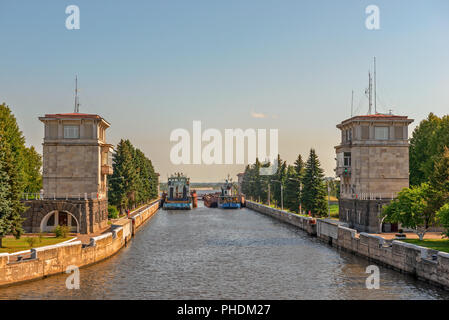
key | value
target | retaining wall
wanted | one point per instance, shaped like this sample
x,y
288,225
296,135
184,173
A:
x,y
50,260
305,223
142,215
424,263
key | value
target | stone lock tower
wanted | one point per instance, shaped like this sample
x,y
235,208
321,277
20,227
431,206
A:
x,y
76,163
373,166
76,157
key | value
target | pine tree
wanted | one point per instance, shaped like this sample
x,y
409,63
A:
x,y
123,180
246,181
10,192
314,192
297,180
291,201
15,140
278,180
134,181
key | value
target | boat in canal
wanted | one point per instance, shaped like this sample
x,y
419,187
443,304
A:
x,y
178,196
211,199
228,198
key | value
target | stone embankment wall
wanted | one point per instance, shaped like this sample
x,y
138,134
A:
x,y
426,264
50,260
139,217
305,223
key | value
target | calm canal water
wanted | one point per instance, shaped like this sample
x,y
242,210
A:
x,y
225,254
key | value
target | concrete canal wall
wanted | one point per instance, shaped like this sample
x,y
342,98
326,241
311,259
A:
x,y
305,223
46,261
141,216
424,263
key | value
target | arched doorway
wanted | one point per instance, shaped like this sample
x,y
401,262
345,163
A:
x,y
61,218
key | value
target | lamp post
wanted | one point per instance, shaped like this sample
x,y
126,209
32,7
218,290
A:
x,y
254,181
282,193
328,199
300,193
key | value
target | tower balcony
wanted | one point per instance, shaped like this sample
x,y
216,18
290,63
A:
x,y
343,171
106,169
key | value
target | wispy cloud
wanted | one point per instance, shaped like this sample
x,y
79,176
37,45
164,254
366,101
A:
x,y
258,115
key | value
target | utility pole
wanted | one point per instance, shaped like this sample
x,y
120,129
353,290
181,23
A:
x,y
300,193
328,199
282,197
269,195
282,193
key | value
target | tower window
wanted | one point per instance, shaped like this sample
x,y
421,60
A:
x,y
347,159
398,133
71,132
365,133
381,133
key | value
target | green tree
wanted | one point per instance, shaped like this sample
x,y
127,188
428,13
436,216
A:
x,y
439,178
134,181
278,178
443,218
413,208
10,192
314,191
427,144
15,140
291,200
33,176
123,180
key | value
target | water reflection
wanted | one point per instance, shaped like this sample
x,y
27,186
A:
x,y
219,254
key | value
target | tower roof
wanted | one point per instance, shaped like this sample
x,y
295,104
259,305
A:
x,y
376,117
73,115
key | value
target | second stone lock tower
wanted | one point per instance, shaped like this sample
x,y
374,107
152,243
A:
x,y
373,166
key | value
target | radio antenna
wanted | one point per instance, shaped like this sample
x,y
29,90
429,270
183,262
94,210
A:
x,y
352,103
77,104
375,95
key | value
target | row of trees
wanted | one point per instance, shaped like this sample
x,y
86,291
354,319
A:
x,y
134,181
303,184
20,171
426,203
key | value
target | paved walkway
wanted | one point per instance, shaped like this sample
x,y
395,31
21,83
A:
x,y
85,238
411,235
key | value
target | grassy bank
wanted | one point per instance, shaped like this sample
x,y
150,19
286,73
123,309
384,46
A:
x,y
334,210
11,245
436,244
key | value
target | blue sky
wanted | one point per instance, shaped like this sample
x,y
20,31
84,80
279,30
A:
x,y
150,67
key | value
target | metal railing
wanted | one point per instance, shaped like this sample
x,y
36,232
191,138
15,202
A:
x,y
54,196
374,196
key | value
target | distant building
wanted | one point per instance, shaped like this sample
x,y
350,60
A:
x,y
76,163
373,166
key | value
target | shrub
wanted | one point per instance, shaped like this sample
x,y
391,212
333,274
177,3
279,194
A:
x,y
31,241
61,231
112,212
443,218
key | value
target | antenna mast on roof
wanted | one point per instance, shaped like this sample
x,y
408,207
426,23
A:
x,y
370,90
77,104
352,102
375,96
